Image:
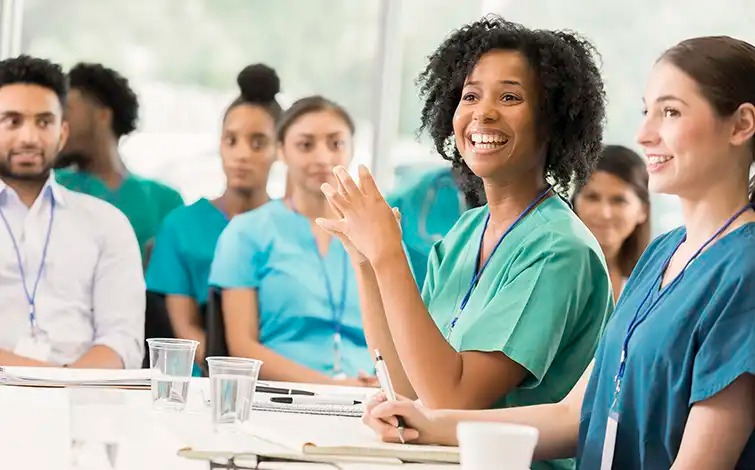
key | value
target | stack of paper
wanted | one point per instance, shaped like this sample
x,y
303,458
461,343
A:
x,y
65,377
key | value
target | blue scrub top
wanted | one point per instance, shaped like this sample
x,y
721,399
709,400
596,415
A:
x,y
272,249
697,341
430,205
183,251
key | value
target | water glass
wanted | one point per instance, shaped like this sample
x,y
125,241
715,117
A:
x,y
232,384
496,445
97,427
171,362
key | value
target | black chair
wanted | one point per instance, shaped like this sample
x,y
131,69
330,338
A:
x,y
215,326
156,322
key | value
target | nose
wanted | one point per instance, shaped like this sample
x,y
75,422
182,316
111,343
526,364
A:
x,y
485,112
647,134
28,135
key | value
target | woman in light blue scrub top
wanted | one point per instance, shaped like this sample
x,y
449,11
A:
x,y
289,295
180,264
430,204
673,381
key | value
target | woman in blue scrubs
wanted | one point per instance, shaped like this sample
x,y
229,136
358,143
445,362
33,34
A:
x,y
288,289
673,381
180,264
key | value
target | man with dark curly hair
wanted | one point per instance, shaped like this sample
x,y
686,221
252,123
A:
x,y
71,283
517,294
101,108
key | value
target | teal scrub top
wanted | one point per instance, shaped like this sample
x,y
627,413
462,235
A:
x,y
272,249
145,202
183,251
430,205
699,338
543,299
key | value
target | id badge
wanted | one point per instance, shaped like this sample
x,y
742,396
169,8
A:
x,y
609,444
37,348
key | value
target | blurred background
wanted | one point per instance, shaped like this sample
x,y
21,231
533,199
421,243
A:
x,y
182,57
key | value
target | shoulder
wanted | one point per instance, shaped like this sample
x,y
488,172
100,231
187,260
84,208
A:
x,y
417,184
555,228
95,215
257,224
155,187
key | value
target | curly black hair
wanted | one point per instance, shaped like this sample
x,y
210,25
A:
x,y
258,84
110,89
34,71
571,105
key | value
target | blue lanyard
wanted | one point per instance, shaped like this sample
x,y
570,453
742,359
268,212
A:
x,y
478,274
638,319
337,311
31,297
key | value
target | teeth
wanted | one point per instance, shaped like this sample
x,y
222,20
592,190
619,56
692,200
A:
x,y
479,138
658,159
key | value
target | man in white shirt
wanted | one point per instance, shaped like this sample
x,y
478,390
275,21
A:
x,y
71,285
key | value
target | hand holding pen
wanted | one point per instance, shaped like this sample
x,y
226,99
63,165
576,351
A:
x,y
387,386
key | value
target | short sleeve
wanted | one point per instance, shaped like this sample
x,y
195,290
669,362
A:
x,y
433,263
167,272
237,259
171,200
552,280
726,351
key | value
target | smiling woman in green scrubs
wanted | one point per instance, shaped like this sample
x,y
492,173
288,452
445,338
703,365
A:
x,y
181,259
517,294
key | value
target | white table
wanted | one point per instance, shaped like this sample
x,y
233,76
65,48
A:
x,y
35,431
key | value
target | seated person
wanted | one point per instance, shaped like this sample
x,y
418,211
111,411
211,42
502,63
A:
x,y
517,294
615,206
289,292
180,264
102,108
71,282
430,204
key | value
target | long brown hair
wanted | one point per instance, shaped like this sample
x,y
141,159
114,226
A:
x,y
629,167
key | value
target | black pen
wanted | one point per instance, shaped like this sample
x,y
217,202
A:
x,y
316,400
282,391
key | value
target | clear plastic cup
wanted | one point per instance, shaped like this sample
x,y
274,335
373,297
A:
x,y
496,445
232,384
171,362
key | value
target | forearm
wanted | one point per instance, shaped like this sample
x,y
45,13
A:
x,y
99,357
376,328
433,366
558,426
196,333
276,366
10,359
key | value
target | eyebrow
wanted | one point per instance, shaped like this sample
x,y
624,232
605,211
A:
x,y
312,136
502,82
664,98
253,135
46,114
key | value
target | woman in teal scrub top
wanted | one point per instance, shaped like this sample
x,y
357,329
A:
x,y
517,294
180,263
673,384
288,290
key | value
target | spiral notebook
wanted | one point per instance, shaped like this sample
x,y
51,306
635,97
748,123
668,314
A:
x,y
262,403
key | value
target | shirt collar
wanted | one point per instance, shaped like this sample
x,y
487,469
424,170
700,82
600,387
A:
x,y
50,185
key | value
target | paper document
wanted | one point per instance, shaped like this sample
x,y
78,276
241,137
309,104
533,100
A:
x,y
66,377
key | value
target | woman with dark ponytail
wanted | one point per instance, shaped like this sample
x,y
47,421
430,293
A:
x,y
180,263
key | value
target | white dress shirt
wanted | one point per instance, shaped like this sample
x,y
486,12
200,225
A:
x,y
91,291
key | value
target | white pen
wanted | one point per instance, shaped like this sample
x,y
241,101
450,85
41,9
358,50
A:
x,y
315,400
387,386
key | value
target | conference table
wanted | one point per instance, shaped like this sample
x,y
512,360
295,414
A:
x,y
36,427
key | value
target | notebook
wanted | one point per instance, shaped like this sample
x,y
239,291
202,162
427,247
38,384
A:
x,y
262,403
65,377
338,436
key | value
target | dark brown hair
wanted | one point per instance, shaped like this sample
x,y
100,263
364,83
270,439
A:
x,y
629,167
724,69
311,104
